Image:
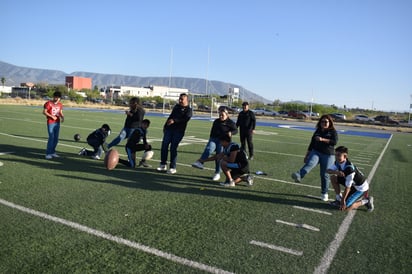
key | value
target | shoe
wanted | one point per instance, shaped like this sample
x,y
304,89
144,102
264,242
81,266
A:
x,y
296,177
143,164
162,168
251,158
370,205
249,180
82,152
216,177
324,197
96,157
231,183
198,165
54,155
49,156
172,171
335,203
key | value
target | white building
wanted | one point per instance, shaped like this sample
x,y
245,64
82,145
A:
x,y
150,91
5,90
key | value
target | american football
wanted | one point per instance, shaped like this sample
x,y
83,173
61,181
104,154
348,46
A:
x,y
77,137
111,159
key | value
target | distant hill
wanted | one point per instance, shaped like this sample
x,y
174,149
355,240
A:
x,y
15,75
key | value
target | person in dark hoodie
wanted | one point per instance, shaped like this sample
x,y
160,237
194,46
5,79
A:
x,y
222,126
173,132
134,118
97,140
321,151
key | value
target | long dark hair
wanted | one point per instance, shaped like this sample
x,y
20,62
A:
x,y
326,116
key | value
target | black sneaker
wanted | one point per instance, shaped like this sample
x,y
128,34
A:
x,y
335,203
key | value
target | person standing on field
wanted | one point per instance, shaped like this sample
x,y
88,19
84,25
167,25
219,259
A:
x,y
53,110
320,151
134,118
246,122
173,132
221,126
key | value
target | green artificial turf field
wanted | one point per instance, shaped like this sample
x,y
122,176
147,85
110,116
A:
x,y
71,215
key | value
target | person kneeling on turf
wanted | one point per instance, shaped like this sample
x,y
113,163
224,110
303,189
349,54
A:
x,y
133,144
356,185
233,161
97,140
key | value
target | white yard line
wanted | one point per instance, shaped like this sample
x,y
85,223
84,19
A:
x,y
278,248
305,226
118,240
313,210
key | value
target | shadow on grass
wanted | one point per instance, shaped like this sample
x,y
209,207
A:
x,y
149,178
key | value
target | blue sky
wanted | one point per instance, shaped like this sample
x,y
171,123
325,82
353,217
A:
x,y
354,53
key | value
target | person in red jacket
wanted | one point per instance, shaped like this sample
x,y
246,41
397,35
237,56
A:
x,y
53,110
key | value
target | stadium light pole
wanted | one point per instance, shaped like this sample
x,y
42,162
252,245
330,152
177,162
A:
x,y
410,108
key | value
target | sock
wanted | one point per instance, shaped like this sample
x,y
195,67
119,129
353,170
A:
x,y
364,201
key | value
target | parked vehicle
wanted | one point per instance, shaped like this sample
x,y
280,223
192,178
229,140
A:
x,y
283,113
265,112
363,118
298,114
385,120
338,116
311,114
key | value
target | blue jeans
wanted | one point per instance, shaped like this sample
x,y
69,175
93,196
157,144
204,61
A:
x,y
325,161
212,146
172,138
124,133
53,131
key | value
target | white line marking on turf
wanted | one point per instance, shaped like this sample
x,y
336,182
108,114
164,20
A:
x,y
116,239
278,248
313,210
331,251
305,226
5,153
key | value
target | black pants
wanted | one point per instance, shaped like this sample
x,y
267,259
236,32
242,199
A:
x,y
246,137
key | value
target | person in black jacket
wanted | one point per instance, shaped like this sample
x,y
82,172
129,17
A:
x,y
97,139
221,126
246,122
173,132
320,151
134,118
138,142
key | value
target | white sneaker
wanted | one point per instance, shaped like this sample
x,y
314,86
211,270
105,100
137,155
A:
x,y
162,168
55,155
198,165
96,157
249,180
231,183
49,156
171,171
325,197
216,177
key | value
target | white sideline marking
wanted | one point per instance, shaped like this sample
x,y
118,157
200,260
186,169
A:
x,y
101,234
278,248
313,210
305,226
5,153
330,252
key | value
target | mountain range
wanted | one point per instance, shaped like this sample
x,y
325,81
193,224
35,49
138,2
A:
x,y
14,75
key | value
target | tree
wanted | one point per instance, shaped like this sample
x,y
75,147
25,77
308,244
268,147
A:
x,y
3,80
